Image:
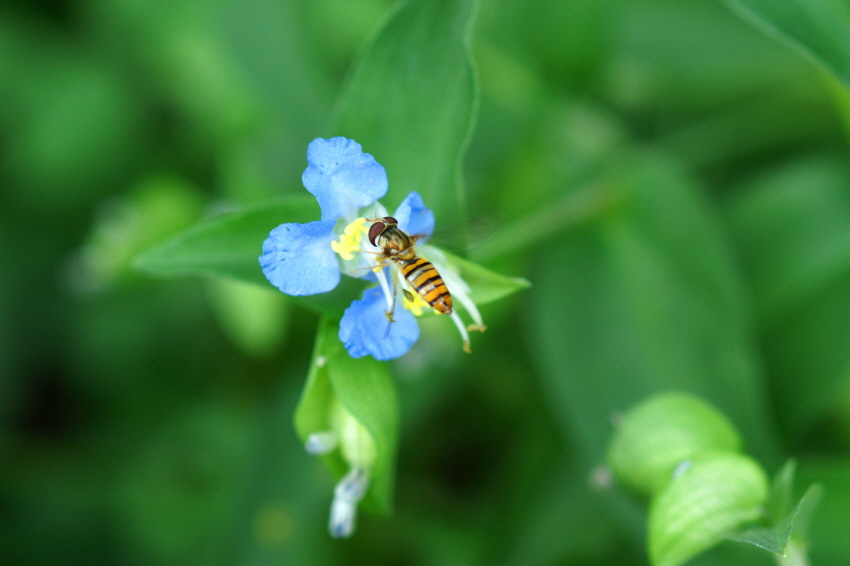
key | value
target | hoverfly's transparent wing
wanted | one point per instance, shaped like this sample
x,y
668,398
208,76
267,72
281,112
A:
x,y
462,236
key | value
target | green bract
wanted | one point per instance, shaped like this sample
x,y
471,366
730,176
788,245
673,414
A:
x,y
714,494
338,386
658,434
684,454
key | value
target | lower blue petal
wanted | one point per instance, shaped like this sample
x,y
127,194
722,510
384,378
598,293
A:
x,y
414,217
363,328
298,258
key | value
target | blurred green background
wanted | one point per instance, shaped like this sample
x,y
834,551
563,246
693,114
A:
x,y
674,183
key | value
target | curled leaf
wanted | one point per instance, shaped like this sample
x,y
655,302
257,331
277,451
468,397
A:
x,y
714,494
658,434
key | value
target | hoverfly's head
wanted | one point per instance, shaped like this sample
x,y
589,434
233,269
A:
x,y
380,226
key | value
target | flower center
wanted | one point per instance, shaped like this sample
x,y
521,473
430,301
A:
x,y
349,241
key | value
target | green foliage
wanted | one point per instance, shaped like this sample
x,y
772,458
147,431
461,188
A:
x,y
486,285
669,176
420,54
792,225
715,494
253,316
661,433
654,302
786,520
226,245
365,389
818,27
683,455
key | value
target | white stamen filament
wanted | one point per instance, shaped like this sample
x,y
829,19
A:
x,y
461,327
385,287
459,289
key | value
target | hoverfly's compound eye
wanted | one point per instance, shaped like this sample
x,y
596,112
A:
x,y
375,230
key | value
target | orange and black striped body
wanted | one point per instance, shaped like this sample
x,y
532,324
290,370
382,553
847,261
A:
x,y
425,279
398,247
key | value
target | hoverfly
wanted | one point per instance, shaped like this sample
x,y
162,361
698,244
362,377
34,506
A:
x,y
398,247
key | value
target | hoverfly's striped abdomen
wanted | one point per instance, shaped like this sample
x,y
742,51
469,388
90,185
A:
x,y
425,279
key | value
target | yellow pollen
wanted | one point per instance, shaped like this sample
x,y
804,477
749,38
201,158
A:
x,y
349,241
417,305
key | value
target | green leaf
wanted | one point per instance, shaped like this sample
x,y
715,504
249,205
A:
x,y
642,298
549,221
829,527
792,227
784,520
365,389
841,99
716,494
227,245
254,317
486,286
792,223
818,28
782,491
658,434
776,538
155,209
411,102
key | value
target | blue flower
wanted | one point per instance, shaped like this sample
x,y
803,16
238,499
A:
x,y
306,259
365,329
298,258
342,177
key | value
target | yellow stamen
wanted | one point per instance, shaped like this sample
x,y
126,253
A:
x,y
349,241
416,305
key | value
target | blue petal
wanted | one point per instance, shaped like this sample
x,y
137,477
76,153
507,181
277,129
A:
x,y
414,217
342,177
364,324
298,258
